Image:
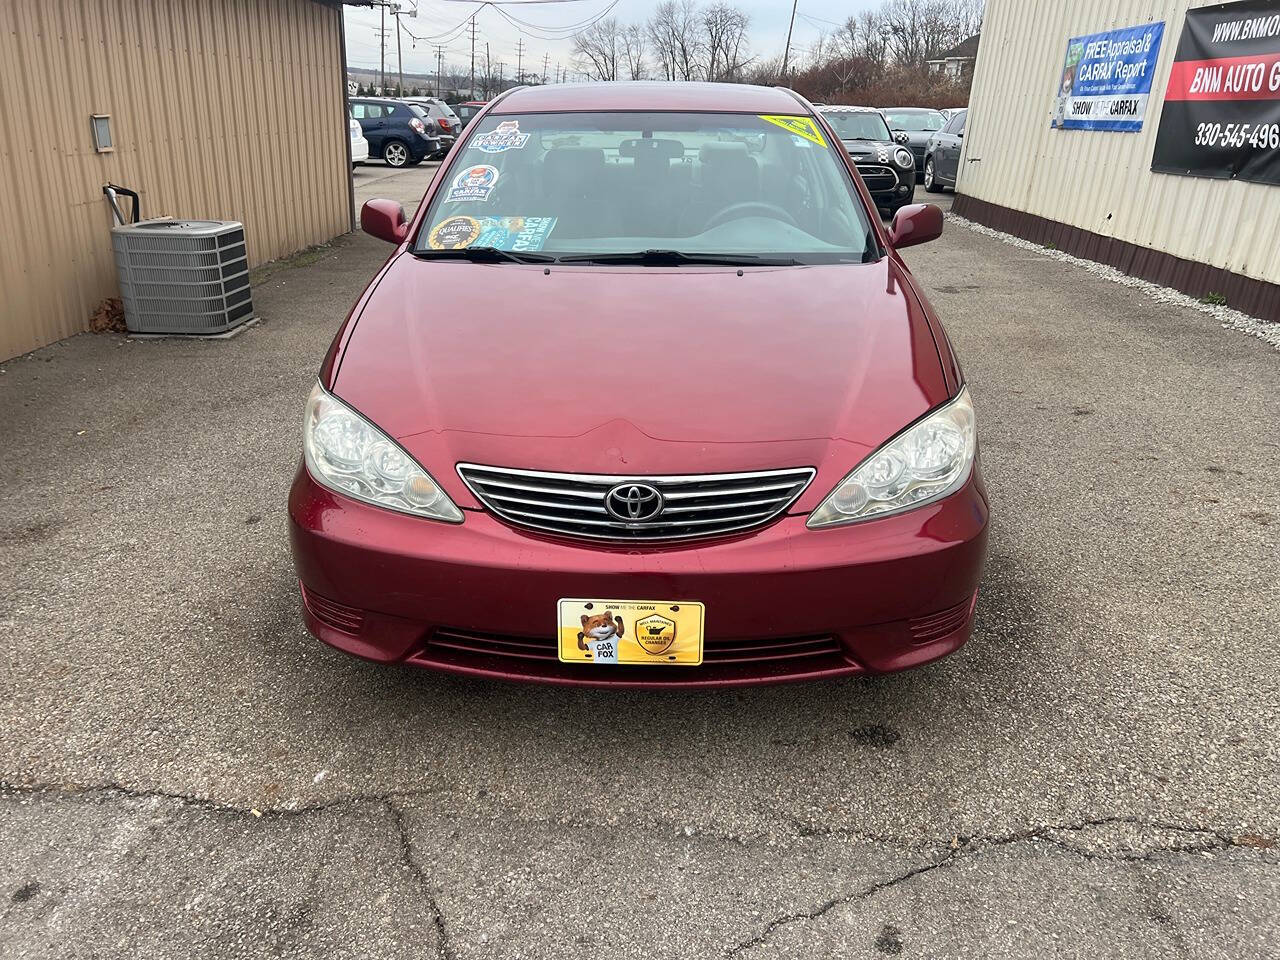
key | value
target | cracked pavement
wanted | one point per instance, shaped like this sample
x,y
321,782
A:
x,y
185,773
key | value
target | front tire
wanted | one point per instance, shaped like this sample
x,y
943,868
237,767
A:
x,y
931,184
395,153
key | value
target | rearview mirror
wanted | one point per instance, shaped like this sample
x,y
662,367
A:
x,y
917,223
385,220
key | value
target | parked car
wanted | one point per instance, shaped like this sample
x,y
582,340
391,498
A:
x,y
444,117
942,157
399,133
919,124
466,111
359,145
949,112
887,167
679,413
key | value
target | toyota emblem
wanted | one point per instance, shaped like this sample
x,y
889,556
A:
x,y
633,502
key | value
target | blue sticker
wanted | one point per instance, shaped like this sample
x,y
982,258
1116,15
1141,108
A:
x,y
474,183
506,136
517,234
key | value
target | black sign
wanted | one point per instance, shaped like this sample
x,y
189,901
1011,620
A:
x,y
1221,114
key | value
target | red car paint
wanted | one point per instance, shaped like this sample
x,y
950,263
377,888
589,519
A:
x,y
778,368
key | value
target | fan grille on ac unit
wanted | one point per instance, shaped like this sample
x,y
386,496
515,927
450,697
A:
x,y
183,276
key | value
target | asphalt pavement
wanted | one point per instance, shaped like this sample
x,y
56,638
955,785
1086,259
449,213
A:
x,y
187,774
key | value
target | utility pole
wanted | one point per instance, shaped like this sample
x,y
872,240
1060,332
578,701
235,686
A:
x,y
399,57
546,62
439,71
502,68
488,70
519,58
382,50
473,56
786,54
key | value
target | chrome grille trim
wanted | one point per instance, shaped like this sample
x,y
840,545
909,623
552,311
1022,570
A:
x,y
699,505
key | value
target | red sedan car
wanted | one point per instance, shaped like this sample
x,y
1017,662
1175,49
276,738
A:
x,y
684,417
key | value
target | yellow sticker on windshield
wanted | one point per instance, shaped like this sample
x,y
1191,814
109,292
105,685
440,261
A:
x,y
800,126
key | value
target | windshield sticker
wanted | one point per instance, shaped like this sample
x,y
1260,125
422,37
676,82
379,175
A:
x,y
506,136
801,126
474,183
516,234
454,233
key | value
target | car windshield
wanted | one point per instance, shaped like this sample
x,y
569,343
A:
x,y
661,187
857,124
916,121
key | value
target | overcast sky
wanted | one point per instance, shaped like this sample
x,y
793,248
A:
x,y
439,18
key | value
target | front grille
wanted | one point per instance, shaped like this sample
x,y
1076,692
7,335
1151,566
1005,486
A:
x,y
691,506
878,177
764,650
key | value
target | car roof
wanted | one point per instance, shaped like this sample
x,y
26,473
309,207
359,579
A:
x,y
652,95
846,108
913,109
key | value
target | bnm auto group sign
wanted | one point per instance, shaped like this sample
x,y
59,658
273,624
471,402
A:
x,y
1222,107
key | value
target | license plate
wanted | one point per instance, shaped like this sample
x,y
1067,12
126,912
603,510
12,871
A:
x,y
656,632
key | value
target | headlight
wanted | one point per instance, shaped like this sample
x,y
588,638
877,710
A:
x,y
903,157
347,453
922,464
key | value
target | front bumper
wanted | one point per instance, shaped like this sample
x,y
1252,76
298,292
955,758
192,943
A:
x,y
783,603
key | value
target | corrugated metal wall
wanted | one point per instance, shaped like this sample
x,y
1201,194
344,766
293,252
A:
x,y
1100,182
225,109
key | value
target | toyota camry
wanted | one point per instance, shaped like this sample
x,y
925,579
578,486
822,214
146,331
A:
x,y
688,418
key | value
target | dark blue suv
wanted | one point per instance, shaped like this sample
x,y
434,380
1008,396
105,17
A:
x,y
398,132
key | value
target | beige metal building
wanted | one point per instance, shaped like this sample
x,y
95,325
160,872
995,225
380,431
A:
x,y
222,109
1093,193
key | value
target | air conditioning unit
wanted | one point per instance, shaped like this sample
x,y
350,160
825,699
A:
x,y
183,276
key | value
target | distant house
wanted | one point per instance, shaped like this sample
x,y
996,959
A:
x,y
957,63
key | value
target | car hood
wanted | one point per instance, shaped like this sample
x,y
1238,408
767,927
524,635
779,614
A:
x,y
641,370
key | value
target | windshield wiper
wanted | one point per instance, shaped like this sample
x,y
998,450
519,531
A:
x,y
483,255
677,257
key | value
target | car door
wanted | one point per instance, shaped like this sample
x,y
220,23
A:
x,y
950,168
372,121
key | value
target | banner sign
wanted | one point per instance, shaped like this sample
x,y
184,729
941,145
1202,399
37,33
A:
x,y
1222,108
1106,80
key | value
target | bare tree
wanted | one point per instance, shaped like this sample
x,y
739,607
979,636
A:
x,y
595,49
634,40
725,28
676,34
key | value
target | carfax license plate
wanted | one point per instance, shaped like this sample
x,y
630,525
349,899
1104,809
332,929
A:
x,y
661,632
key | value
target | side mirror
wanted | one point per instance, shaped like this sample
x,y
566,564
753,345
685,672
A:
x,y
385,220
900,136
917,223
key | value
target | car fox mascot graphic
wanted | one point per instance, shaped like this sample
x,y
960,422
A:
x,y
602,626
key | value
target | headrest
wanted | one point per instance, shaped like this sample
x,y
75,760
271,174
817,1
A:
x,y
568,163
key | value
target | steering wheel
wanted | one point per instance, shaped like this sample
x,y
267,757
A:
x,y
750,208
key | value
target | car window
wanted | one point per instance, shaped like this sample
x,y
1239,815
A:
x,y
954,123
857,125
593,183
960,117
915,122
366,111
395,110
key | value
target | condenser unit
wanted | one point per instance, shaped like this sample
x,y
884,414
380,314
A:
x,y
183,276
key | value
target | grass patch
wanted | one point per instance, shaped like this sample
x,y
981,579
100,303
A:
x,y
1212,299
